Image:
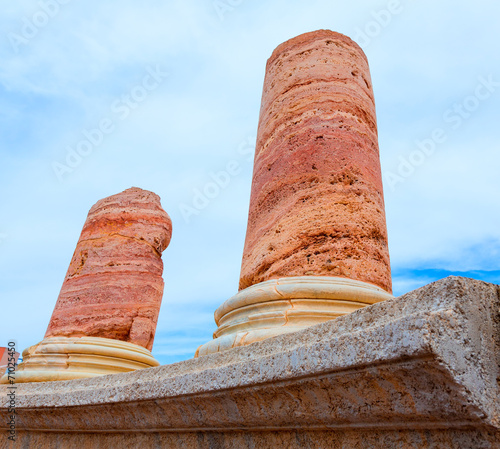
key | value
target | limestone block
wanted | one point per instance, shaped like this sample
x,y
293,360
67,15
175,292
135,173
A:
x,y
419,371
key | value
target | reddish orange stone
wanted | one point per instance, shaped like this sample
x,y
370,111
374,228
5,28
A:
x,y
317,205
114,286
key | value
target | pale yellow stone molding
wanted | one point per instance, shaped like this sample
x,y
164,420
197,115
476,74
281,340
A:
x,y
286,305
67,358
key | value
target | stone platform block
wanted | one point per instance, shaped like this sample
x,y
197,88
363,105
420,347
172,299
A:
x,y
418,371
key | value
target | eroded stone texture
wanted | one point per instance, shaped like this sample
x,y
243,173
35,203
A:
x,y
419,371
114,286
290,439
317,204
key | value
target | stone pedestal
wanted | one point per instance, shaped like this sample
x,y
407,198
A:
x,y
279,306
105,318
317,205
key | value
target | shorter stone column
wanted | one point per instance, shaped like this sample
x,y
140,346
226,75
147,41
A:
x,y
105,318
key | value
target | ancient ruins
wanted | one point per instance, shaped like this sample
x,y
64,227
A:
x,y
313,351
105,318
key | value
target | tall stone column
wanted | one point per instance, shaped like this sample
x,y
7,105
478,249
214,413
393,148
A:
x,y
104,320
316,242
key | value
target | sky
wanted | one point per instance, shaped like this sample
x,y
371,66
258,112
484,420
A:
x,y
165,96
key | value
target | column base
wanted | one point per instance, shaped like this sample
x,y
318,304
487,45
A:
x,y
68,358
286,305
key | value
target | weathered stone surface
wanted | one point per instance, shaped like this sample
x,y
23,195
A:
x,y
417,371
113,287
271,439
317,204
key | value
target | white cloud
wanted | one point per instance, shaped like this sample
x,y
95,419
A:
x,y
66,78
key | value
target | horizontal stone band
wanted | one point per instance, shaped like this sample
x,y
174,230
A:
x,y
284,313
299,287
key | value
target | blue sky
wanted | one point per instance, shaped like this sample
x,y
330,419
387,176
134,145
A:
x,y
68,67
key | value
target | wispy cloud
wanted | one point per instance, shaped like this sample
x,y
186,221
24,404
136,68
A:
x,y
66,77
